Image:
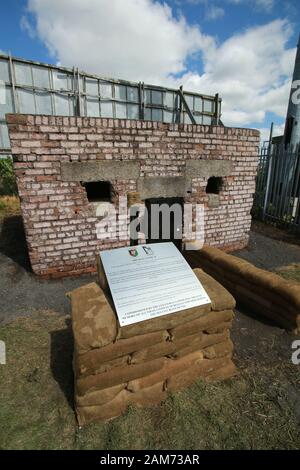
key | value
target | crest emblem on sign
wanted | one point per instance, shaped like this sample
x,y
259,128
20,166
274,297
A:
x,y
148,250
133,253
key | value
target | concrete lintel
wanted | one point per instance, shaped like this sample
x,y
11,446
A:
x,y
162,186
103,170
207,168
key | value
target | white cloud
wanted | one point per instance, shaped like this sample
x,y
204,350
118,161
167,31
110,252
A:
x,y
142,40
136,39
265,132
214,12
265,5
251,71
261,5
27,27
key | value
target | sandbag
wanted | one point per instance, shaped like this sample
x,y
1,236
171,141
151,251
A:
x,y
88,362
228,371
171,367
209,252
117,376
179,347
232,263
289,290
153,352
94,322
259,304
208,267
110,410
207,340
148,380
218,350
220,298
288,308
227,325
165,322
206,321
102,279
266,302
263,307
101,366
146,397
189,376
166,349
99,397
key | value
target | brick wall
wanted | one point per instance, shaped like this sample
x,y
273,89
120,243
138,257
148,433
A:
x,y
59,220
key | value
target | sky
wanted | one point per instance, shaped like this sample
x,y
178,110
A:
x,y
242,49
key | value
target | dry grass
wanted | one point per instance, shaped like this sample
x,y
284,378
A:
x,y
9,205
256,410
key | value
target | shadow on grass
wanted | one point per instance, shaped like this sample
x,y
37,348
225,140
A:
x,y
13,242
252,314
61,361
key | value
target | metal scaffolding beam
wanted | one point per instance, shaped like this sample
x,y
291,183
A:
x,y
38,88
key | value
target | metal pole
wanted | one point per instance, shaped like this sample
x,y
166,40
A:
x,y
269,171
13,84
141,101
216,109
78,93
184,103
180,93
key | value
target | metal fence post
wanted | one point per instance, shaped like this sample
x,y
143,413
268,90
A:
x,y
269,172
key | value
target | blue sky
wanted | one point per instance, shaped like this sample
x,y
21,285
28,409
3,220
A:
x,y
15,39
228,46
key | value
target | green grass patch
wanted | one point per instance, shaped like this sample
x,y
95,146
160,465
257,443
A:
x,y
255,410
9,205
290,272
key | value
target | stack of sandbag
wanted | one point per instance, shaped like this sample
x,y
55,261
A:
x,y
262,291
138,364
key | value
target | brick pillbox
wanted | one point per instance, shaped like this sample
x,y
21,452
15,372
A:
x,y
53,155
140,363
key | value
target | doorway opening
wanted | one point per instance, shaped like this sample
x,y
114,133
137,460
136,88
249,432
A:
x,y
165,220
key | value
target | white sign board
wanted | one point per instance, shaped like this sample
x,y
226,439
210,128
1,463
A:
x,y
147,281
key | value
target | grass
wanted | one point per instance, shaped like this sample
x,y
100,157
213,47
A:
x,y
9,205
256,410
259,409
290,272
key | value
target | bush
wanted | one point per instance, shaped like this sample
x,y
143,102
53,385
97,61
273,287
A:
x,y
8,185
